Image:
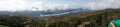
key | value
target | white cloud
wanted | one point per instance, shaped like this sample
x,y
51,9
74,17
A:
x,y
13,5
18,5
102,4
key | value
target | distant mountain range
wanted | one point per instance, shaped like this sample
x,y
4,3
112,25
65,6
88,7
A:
x,y
44,13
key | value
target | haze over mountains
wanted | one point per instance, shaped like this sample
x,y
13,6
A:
x,y
53,7
44,13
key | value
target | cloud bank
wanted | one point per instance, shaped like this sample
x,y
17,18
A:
x,y
34,5
102,4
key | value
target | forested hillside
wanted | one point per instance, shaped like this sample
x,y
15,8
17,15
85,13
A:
x,y
100,18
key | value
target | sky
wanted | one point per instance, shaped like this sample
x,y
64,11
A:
x,y
38,5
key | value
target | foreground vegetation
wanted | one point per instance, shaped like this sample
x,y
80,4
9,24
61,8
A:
x,y
94,19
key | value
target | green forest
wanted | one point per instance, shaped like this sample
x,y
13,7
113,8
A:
x,y
100,18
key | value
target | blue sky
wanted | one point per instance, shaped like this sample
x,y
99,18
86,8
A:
x,y
19,5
